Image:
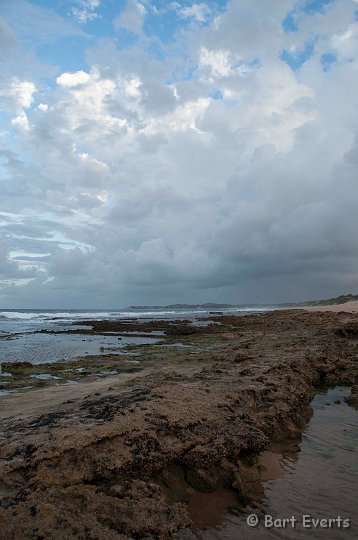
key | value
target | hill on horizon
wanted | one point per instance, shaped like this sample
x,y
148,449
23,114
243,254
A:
x,y
342,299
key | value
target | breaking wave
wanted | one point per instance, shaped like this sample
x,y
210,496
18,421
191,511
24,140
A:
x,y
76,315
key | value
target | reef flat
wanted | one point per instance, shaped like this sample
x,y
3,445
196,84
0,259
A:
x,y
114,455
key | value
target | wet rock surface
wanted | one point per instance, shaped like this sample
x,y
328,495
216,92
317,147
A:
x,y
112,458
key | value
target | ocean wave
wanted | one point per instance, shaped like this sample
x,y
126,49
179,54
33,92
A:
x,y
46,315
68,316
18,315
129,314
79,315
85,315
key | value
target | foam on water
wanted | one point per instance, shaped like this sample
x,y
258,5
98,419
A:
x,y
58,315
73,315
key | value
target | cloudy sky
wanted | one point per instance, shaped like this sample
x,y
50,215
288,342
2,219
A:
x,y
155,152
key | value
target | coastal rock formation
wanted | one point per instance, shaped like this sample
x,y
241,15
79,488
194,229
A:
x,y
114,458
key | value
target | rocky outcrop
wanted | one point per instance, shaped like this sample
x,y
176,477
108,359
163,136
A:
x,y
116,463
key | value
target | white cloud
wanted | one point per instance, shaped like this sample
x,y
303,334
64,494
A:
x,y
21,121
217,61
85,100
346,43
86,10
132,17
70,80
132,87
200,12
17,94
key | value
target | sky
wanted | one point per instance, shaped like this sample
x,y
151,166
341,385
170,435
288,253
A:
x,y
156,152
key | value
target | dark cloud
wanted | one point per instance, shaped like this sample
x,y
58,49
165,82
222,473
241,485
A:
x,y
214,174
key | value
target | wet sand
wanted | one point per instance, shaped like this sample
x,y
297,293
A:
x,y
114,457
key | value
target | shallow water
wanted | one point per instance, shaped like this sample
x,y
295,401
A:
x,y
321,481
41,348
21,341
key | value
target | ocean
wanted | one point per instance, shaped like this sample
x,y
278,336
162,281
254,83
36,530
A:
x,y
21,341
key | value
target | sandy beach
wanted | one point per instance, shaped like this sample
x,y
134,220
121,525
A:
x,y
115,457
348,307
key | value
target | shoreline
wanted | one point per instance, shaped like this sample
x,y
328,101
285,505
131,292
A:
x,y
347,307
87,460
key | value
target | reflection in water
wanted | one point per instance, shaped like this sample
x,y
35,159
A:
x,y
320,481
40,348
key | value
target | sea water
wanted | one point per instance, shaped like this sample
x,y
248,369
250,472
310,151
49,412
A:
x,y
20,340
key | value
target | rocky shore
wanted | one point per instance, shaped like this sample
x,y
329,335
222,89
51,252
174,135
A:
x,y
113,457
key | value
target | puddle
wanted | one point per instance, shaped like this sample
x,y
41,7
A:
x,y
108,372
317,477
177,345
44,376
203,323
14,390
151,333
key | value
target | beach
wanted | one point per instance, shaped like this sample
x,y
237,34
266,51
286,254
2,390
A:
x,y
348,307
117,454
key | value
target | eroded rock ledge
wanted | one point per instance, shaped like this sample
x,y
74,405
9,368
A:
x,y
105,463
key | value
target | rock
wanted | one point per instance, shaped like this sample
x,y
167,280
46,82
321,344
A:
x,y
103,468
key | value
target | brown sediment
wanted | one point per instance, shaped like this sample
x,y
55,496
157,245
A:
x,y
115,457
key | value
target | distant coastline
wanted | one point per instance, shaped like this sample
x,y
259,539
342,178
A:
x,y
342,299
337,300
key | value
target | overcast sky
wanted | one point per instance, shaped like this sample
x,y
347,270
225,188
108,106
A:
x,y
154,152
